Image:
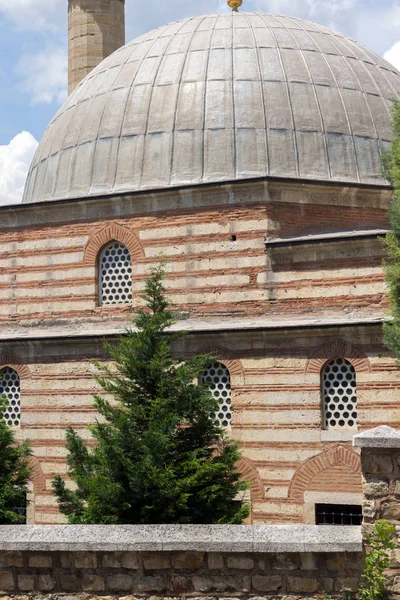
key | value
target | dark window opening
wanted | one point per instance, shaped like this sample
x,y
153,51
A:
x,y
21,511
233,238
338,514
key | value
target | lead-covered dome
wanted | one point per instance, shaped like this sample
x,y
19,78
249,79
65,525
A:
x,y
219,98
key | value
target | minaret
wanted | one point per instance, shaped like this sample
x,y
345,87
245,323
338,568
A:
x,y
95,29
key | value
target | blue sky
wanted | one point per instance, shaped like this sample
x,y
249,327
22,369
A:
x,y
33,57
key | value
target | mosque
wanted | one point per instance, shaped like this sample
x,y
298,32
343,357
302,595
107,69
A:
x,y
245,148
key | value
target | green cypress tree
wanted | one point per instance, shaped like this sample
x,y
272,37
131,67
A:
x,y
15,471
391,168
159,456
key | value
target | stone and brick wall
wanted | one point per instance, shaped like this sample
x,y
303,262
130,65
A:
x,y
219,273
218,266
276,405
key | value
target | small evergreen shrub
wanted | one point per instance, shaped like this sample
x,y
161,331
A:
x,y
15,471
159,455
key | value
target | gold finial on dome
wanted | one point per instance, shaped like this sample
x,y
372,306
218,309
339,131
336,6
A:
x,y
234,4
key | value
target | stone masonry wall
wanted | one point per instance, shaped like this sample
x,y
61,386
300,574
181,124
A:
x,y
219,272
179,574
380,463
95,30
218,265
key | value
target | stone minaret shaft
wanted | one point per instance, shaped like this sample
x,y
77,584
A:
x,y
95,29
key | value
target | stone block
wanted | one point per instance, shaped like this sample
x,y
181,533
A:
x,y
262,564
266,583
395,587
336,562
93,583
302,584
46,582
130,560
180,584
369,509
246,587
376,462
395,559
391,511
85,560
240,562
154,561
11,559
69,582
220,583
308,562
397,488
215,561
326,585
286,562
112,560
376,489
347,584
26,582
121,582
188,560
151,583
41,561
6,581
66,560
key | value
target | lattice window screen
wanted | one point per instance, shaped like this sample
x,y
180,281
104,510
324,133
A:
x,y
115,274
218,378
339,394
10,387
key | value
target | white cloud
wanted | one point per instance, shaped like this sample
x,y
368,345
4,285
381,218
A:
x,y
15,159
35,14
393,55
44,75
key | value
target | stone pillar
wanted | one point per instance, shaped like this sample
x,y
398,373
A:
x,y
380,463
96,28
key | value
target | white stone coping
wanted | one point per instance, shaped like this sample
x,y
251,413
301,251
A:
x,y
379,437
194,326
323,237
169,538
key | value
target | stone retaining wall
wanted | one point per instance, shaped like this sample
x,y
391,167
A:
x,y
179,561
179,573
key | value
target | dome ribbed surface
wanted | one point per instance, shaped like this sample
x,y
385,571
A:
x,y
219,98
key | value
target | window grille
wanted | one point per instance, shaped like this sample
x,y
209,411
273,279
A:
x,y
339,395
338,514
218,378
115,277
10,387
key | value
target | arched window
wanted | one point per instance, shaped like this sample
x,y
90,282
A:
x,y
10,387
115,274
218,378
339,394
